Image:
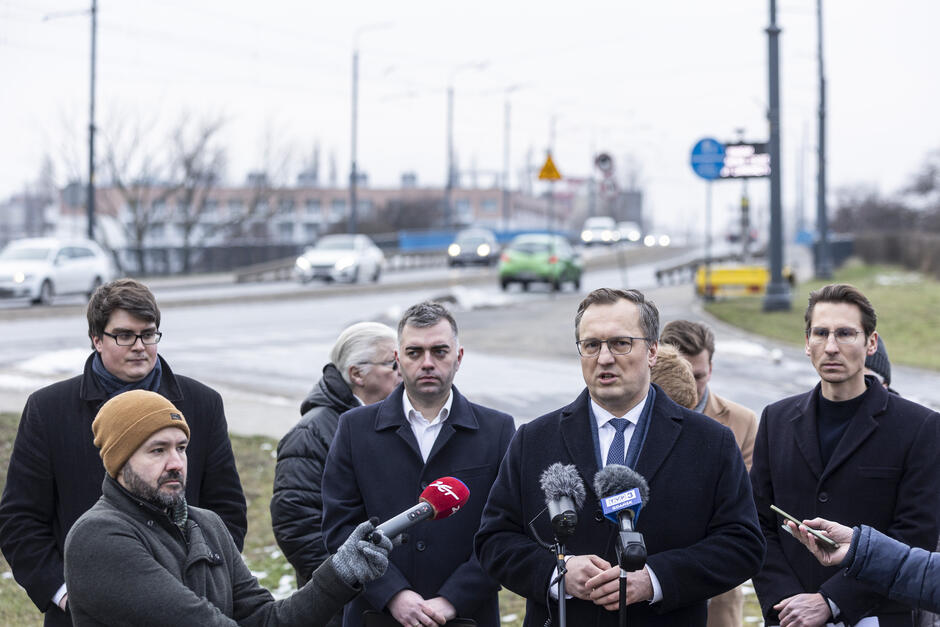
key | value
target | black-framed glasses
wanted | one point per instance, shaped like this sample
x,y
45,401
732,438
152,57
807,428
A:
x,y
126,338
843,335
591,347
393,363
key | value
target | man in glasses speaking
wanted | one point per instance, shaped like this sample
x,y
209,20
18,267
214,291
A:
x,y
846,450
55,473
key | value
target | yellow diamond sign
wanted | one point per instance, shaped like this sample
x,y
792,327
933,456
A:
x,y
549,171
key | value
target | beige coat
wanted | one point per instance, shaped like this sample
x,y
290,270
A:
x,y
741,420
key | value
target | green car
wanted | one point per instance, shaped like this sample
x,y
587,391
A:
x,y
540,258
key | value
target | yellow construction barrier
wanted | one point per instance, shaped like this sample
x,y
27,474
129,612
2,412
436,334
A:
x,y
735,280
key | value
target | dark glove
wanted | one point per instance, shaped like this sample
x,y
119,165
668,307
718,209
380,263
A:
x,y
359,561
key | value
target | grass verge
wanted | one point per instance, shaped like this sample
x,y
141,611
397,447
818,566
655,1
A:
x,y
255,457
906,303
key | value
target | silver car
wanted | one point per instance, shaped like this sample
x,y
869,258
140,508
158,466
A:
x,y
41,268
349,258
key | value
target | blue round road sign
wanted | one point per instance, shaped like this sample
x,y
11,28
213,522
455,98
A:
x,y
708,157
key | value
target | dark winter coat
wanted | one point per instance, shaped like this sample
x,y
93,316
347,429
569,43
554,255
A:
x,y
127,563
699,524
55,474
297,504
883,473
908,575
375,468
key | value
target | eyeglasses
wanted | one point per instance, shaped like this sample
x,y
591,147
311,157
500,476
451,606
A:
x,y
393,364
622,345
843,335
126,338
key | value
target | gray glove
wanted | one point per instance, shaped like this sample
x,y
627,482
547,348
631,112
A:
x,y
359,561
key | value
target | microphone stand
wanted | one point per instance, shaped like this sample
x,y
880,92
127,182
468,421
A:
x,y
631,556
563,527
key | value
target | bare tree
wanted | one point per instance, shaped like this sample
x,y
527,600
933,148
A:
x,y
137,170
198,165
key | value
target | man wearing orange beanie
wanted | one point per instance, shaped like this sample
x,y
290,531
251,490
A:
x,y
142,556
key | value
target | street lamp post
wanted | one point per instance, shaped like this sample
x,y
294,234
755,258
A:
x,y
451,172
777,297
823,260
91,125
352,225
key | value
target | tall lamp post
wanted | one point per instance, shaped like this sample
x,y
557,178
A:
x,y
451,177
823,259
352,226
777,297
506,135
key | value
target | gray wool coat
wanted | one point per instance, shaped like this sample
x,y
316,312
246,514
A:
x,y
126,563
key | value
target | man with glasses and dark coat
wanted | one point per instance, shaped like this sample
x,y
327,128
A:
x,y
362,371
55,473
699,524
849,451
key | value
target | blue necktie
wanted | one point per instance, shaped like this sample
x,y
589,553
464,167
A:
x,y
617,447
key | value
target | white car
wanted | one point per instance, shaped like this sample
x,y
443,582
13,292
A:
x,y
41,268
341,258
600,230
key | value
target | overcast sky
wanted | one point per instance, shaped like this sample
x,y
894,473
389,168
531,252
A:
x,y
640,80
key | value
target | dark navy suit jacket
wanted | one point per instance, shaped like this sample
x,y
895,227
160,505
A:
x,y
700,524
375,469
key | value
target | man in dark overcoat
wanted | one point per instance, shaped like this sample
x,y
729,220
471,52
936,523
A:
x,y
847,450
699,523
55,473
384,455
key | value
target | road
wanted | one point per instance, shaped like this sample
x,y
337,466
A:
x,y
264,346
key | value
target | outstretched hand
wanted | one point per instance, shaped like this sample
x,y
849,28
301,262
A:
x,y
825,555
358,560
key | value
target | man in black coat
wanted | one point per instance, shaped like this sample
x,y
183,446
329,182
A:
x,y
55,473
848,451
699,524
362,371
384,455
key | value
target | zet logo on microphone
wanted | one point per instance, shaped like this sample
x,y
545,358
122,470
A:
x,y
443,488
618,502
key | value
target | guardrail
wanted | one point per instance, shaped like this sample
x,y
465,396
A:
x,y
685,272
282,269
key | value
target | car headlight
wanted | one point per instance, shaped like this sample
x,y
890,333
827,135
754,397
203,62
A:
x,y
664,240
633,236
649,240
303,263
19,277
453,250
483,250
343,263
587,236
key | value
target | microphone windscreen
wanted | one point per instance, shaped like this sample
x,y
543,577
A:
x,y
615,479
560,480
446,495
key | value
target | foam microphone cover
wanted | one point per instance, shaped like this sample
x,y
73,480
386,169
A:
x,y
559,480
615,478
446,495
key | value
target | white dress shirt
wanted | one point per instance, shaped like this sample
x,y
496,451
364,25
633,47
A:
x,y
425,432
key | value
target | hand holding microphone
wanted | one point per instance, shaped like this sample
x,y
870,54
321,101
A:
x,y
442,498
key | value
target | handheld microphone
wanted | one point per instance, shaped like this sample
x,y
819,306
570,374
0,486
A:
x,y
564,496
623,493
442,498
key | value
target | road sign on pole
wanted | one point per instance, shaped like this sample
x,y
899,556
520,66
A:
x,y
708,157
549,171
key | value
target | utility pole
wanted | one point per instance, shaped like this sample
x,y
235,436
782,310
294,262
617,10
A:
x,y
353,174
449,183
777,297
90,203
506,136
822,257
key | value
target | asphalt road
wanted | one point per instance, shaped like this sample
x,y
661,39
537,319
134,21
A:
x,y
263,347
